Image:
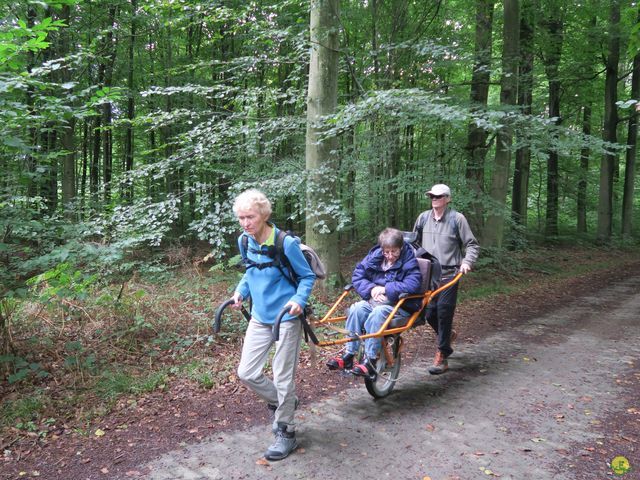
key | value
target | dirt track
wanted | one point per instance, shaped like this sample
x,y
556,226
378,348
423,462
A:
x,y
547,398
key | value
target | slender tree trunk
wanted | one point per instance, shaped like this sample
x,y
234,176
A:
x,y
107,108
5,329
374,38
348,169
131,106
520,194
321,161
172,181
94,165
494,227
390,173
107,150
585,153
31,162
477,136
554,29
85,162
630,154
67,134
605,197
49,184
410,199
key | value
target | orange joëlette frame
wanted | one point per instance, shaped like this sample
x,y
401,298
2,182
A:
x,y
384,330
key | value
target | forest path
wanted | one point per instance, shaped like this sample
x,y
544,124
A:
x,y
549,398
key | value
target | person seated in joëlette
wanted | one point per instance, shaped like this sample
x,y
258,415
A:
x,y
387,271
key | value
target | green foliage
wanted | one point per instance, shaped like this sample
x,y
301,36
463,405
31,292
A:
x,y
204,374
18,39
63,281
21,368
112,384
26,409
78,359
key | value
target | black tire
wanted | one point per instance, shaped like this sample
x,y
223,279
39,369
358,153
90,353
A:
x,y
387,374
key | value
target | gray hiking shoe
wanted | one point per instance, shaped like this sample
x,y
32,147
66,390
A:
x,y
272,412
440,364
285,443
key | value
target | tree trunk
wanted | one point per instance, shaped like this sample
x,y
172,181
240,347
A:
x,y
585,153
94,165
551,60
107,108
131,106
605,196
477,136
321,158
107,150
86,141
7,346
31,162
520,193
67,137
49,184
630,155
494,228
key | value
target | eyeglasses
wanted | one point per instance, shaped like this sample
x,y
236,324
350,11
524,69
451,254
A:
x,y
391,252
436,197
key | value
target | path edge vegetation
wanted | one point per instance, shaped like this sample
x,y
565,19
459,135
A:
x,y
77,359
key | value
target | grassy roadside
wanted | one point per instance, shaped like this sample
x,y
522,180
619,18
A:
x,y
77,362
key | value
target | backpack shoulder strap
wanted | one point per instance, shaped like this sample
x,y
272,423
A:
x,y
280,257
453,222
281,260
422,219
419,226
244,246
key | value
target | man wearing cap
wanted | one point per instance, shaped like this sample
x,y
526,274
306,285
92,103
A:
x,y
445,234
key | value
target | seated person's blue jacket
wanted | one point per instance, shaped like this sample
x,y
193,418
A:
x,y
403,277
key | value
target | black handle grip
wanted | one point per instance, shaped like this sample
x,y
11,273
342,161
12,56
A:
x,y
218,318
275,332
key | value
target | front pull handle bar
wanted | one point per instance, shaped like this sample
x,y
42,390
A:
x,y
218,318
275,332
309,334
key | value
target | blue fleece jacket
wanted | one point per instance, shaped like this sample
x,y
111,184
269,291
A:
x,y
268,288
403,276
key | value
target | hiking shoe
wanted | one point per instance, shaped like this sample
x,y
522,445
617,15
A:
x,y
365,369
285,443
440,364
272,412
345,362
453,336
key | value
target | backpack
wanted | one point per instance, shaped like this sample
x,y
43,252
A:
x,y
281,261
430,268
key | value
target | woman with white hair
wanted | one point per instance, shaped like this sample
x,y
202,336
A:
x,y
271,290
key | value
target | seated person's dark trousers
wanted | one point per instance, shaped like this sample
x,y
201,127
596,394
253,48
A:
x,y
440,315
